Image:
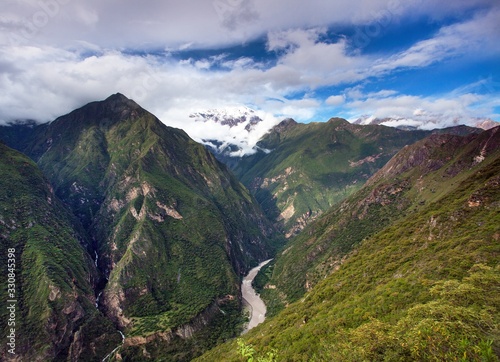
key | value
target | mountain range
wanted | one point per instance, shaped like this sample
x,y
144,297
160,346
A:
x,y
239,128
417,176
169,229
424,122
233,117
131,239
313,166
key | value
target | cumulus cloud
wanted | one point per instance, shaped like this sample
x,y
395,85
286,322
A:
x,y
421,112
321,63
335,100
56,55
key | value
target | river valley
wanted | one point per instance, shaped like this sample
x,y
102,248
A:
x,y
252,300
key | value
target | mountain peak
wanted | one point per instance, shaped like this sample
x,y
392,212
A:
x,y
337,120
98,115
113,109
117,97
285,125
231,116
117,100
339,123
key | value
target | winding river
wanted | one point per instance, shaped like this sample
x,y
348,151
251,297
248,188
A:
x,y
252,300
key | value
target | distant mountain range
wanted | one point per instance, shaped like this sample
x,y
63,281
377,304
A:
x,y
246,123
240,137
232,117
425,123
311,167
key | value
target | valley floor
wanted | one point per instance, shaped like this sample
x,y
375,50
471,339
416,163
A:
x,y
252,300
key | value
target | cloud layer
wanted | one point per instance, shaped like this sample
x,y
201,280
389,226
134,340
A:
x,y
56,55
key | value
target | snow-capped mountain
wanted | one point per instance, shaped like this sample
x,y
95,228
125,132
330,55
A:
x,y
232,117
232,132
425,123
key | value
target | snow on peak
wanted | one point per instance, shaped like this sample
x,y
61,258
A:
x,y
422,121
231,116
233,131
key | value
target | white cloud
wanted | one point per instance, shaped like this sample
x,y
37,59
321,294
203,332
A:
x,y
478,35
320,63
46,69
335,100
88,17
238,135
161,23
422,112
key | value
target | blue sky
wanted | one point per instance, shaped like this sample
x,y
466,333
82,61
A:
x,y
422,62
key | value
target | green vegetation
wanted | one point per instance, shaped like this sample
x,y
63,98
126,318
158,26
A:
x,y
248,352
424,288
314,166
418,176
459,323
226,322
172,228
53,273
404,268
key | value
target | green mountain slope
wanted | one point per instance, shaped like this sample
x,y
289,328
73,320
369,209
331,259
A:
x,y
314,166
417,175
423,287
53,277
171,228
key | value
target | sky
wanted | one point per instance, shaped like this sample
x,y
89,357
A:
x,y
414,61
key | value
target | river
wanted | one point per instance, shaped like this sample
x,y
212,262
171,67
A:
x,y
252,300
